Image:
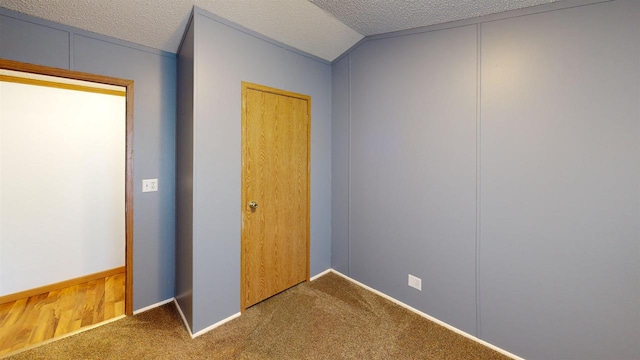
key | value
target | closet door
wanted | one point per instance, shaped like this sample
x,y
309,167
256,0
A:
x,y
275,192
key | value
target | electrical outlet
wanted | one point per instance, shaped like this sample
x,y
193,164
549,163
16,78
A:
x,y
149,185
415,282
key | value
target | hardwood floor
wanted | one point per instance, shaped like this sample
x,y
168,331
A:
x,y
31,320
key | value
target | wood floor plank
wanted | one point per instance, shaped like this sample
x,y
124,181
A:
x,y
4,312
98,308
63,323
9,330
89,304
109,310
15,311
28,321
67,298
119,308
46,324
78,308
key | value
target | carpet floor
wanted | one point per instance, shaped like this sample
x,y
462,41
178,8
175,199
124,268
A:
x,y
329,318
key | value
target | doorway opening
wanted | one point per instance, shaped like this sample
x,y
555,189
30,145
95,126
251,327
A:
x,y
85,267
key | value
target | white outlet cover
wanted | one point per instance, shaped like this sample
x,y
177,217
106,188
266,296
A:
x,y
415,282
149,185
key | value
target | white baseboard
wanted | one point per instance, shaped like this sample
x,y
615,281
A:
x,y
205,330
321,274
184,319
439,322
152,306
211,327
398,302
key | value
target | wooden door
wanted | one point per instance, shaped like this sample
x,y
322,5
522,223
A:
x,y
275,176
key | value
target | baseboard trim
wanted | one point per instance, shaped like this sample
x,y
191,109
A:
x,y
321,274
184,319
60,285
211,327
429,317
152,306
205,330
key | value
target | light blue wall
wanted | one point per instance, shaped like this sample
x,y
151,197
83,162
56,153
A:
x,y
549,267
184,176
413,174
499,160
48,44
226,55
560,239
340,165
41,42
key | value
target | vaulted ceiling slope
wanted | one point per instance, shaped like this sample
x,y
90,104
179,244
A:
x,y
316,27
372,17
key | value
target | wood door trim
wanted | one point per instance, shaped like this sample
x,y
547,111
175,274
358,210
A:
x,y
128,84
61,85
252,86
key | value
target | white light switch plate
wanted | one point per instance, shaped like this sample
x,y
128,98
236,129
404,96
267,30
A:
x,y
149,185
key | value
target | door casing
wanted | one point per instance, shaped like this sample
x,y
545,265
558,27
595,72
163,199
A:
x,y
128,84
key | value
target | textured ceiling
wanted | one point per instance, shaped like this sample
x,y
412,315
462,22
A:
x,y
160,24
318,30
371,17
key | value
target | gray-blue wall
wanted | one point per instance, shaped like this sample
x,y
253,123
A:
x,y
413,143
495,158
340,166
224,56
184,176
560,161
36,41
498,159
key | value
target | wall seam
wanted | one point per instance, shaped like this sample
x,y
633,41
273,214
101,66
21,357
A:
x,y
638,114
71,50
349,168
478,165
85,33
194,178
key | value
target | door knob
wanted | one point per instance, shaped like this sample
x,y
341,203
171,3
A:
x,y
253,205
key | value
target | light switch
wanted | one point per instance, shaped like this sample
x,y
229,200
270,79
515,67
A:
x,y
149,185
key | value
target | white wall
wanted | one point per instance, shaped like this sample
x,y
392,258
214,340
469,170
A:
x,y
62,184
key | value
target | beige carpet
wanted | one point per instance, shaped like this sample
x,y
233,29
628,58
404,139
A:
x,y
329,318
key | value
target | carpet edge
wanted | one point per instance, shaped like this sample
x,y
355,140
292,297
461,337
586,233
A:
x,y
424,315
61,337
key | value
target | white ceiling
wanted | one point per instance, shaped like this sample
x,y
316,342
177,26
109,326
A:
x,y
315,26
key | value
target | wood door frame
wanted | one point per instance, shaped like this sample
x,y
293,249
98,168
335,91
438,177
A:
x,y
243,198
128,84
